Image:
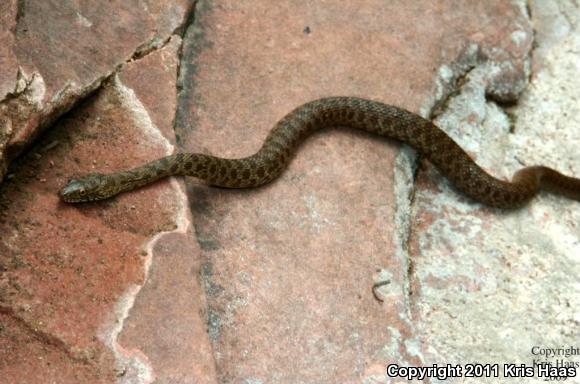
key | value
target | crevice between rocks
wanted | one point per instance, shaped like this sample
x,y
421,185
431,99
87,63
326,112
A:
x,y
189,20
189,49
59,107
20,7
448,84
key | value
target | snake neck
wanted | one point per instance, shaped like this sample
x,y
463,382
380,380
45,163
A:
x,y
128,180
179,164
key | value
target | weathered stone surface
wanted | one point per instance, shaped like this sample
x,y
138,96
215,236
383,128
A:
x,y
167,324
116,291
507,280
8,62
71,275
48,67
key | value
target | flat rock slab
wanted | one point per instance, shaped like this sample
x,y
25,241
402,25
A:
x,y
178,282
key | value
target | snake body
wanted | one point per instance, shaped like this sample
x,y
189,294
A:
x,y
284,138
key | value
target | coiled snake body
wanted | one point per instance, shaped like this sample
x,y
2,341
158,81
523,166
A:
x,y
282,141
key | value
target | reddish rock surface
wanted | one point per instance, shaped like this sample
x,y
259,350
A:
x,y
70,276
48,67
182,283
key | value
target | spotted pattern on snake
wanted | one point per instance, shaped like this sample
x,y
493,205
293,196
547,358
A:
x,y
284,138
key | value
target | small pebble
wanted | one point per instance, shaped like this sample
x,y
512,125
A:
x,y
51,145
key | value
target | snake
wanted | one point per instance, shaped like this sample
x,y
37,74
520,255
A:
x,y
284,138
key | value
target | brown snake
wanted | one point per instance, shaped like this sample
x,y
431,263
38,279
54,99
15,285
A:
x,y
278,148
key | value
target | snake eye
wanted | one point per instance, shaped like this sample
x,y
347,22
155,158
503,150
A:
x,y
82,192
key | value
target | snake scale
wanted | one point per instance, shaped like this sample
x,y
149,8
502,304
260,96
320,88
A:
x,y
284,138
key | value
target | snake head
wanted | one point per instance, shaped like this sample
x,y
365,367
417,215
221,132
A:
x,y
94,186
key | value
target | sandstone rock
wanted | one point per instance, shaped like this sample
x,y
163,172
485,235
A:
x,y
54,54
179,282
